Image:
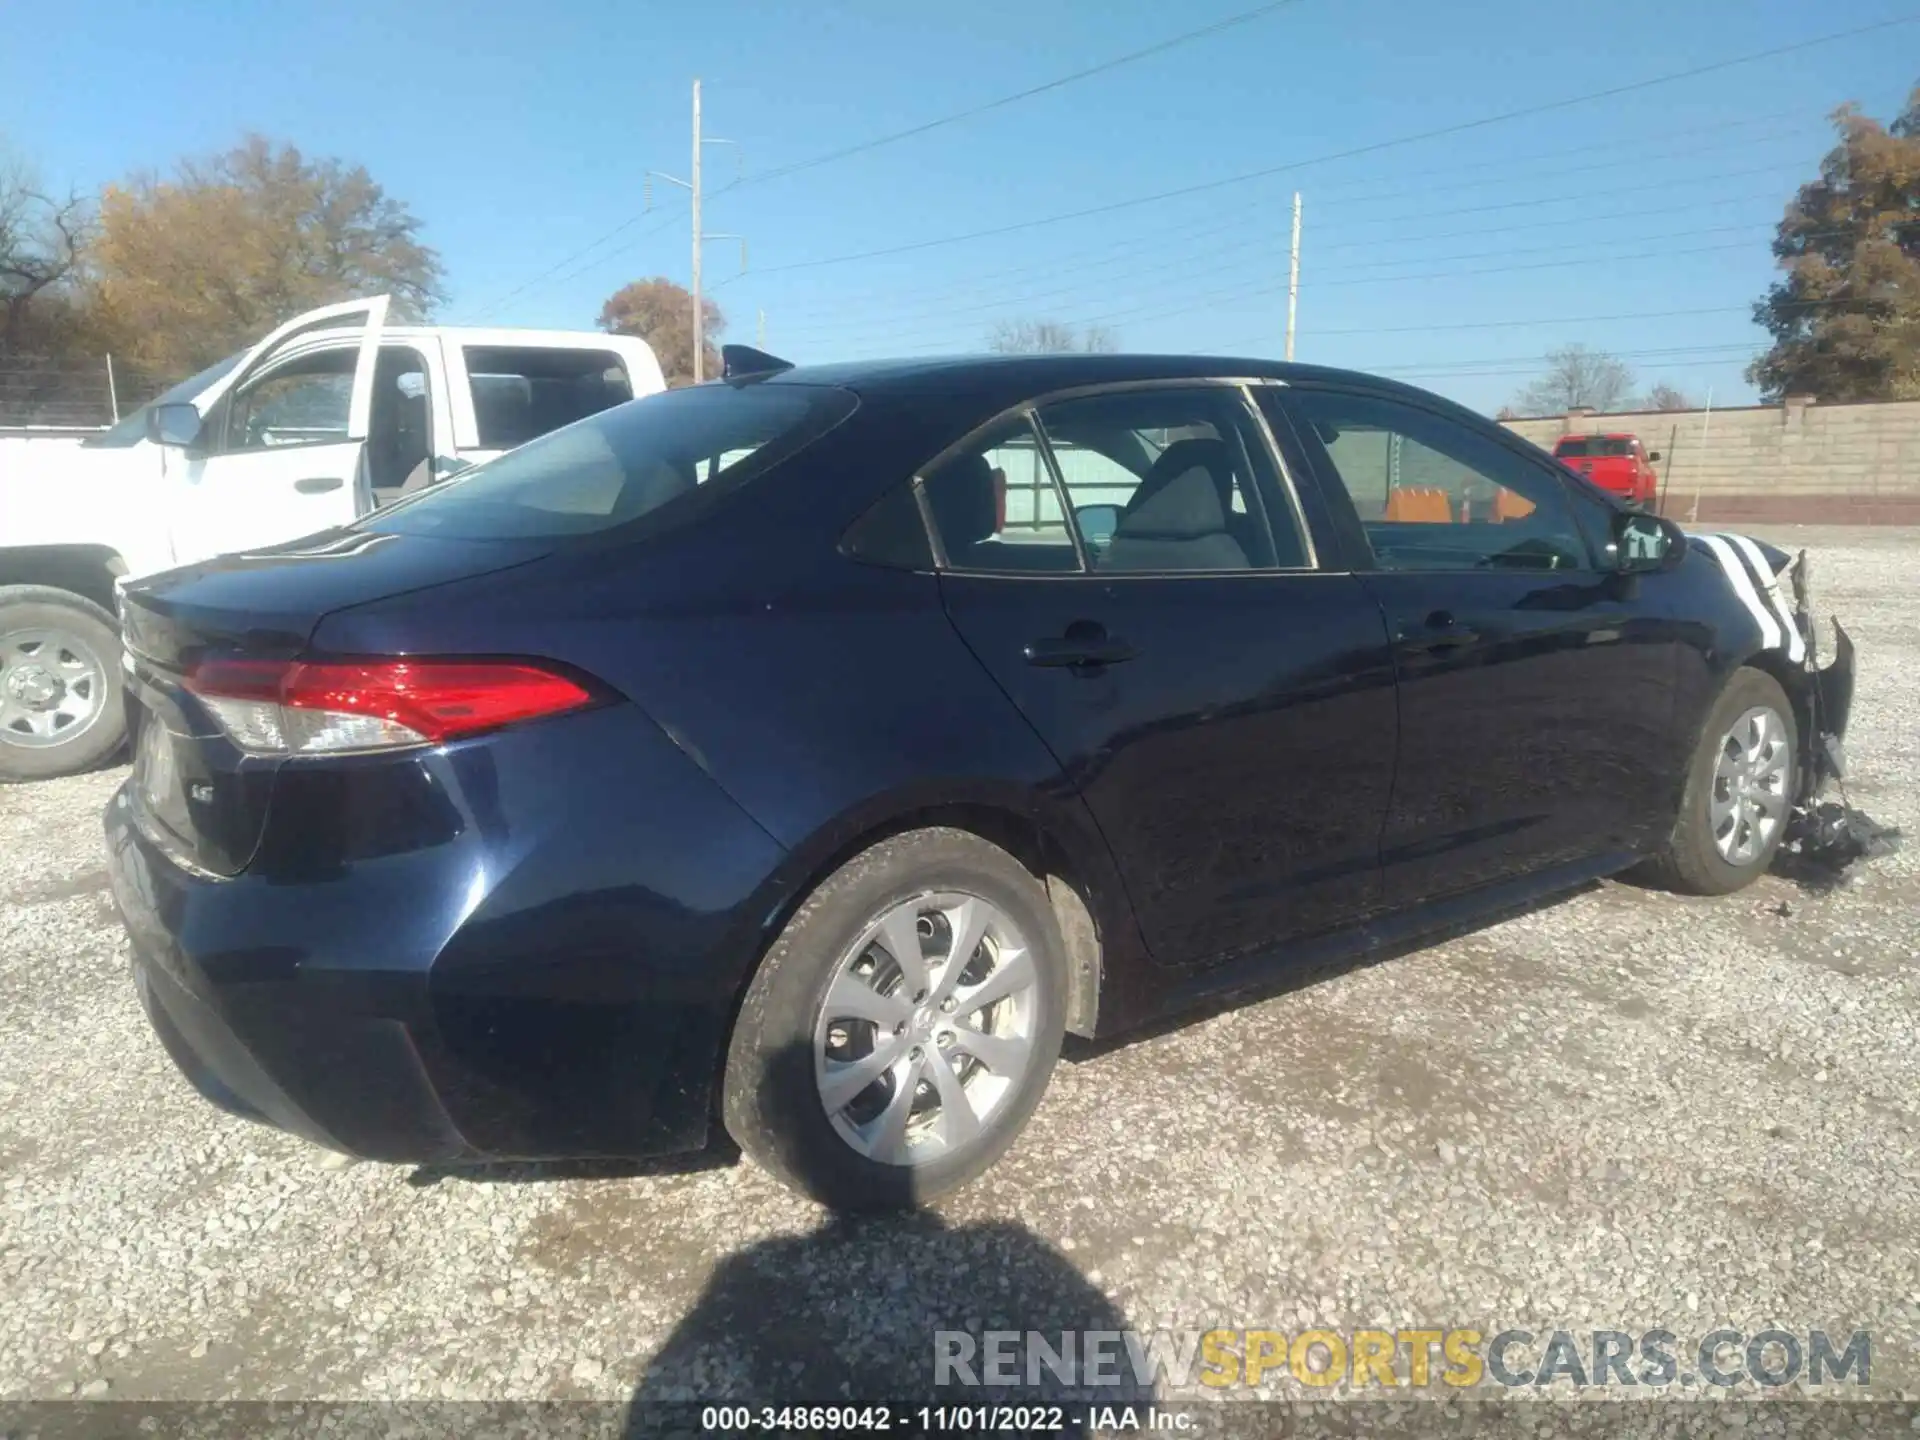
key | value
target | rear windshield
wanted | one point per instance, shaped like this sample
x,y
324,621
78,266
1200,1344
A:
x,y
614,467
1593,445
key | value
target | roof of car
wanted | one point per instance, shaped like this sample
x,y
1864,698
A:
x,y
1012,376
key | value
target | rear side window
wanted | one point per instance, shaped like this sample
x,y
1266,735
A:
x,y
995,507
520,391
621,464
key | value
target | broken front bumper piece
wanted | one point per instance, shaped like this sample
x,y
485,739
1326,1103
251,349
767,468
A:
x,y
1824,837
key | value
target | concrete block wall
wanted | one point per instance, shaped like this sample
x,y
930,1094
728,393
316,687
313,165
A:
x,y
1798,461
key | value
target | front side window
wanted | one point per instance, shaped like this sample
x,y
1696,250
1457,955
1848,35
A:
x,y
622,464
1433,495
304,401
520,391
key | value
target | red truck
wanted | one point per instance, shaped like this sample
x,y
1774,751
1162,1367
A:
x,y
1619,464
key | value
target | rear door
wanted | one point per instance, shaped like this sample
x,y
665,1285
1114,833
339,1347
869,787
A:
x,y
282,453
1134,570
1536,690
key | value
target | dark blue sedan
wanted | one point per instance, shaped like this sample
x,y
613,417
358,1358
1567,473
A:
x,y
810,749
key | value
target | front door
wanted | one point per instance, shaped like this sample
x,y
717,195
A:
x,y
1134,571
1536,691
281,453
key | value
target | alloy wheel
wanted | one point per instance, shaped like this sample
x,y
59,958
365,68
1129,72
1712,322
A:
x,y
926,1028
1751,775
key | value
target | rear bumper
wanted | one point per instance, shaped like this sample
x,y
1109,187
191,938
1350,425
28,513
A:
x,y
542,984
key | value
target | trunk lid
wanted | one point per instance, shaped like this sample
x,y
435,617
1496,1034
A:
x,y
194,790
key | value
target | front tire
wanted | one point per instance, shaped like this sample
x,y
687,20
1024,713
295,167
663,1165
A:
x,y
1739,793
61,705
902,1028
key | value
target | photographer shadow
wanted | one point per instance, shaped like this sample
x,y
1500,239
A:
x,y
891,1307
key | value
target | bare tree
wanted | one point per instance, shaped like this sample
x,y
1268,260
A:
x,y
1664,396
1049,337
1577,376
41,241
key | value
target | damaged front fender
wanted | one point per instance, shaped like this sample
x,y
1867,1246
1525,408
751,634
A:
x,y
1823,837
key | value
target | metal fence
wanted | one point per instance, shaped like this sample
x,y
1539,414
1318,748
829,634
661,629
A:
x,y
41,393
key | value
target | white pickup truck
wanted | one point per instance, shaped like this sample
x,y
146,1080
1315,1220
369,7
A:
x,y
331,415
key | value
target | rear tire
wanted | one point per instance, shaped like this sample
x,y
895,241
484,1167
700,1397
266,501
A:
x,y
952,1086
1725,835
61,691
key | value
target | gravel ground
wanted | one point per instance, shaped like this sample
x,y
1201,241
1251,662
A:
x,y
1626,1111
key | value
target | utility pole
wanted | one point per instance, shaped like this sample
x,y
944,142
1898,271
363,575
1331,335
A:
x,y
1293,276
1693,515
700,236
699,320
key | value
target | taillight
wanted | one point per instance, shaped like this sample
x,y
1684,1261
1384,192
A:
x,y
296,707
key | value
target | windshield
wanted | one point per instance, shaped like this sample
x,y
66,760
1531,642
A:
x,y
132,429
620,464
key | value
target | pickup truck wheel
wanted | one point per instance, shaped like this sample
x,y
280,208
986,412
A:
x,y
61,706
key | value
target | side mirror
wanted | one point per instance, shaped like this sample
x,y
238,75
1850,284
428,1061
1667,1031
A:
x,y
1643,543
1652,455
1097,523
173,424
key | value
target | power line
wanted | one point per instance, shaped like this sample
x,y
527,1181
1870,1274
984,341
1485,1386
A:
x,y
1699,355
1079,263
554,269
1446,367
1532,320
1057,83
1263,252
1550,320
1248,292
1460,127
1205,31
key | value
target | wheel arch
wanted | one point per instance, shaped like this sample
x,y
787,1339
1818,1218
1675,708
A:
x,y
1095,919
84,570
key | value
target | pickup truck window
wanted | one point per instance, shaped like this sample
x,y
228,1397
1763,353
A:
x,y
132,429
523,391
1592,445
304,402
622,464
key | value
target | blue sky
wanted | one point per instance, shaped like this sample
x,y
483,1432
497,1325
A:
x,y
520,134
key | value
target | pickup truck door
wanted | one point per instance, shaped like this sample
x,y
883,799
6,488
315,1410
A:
x,y
281,453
